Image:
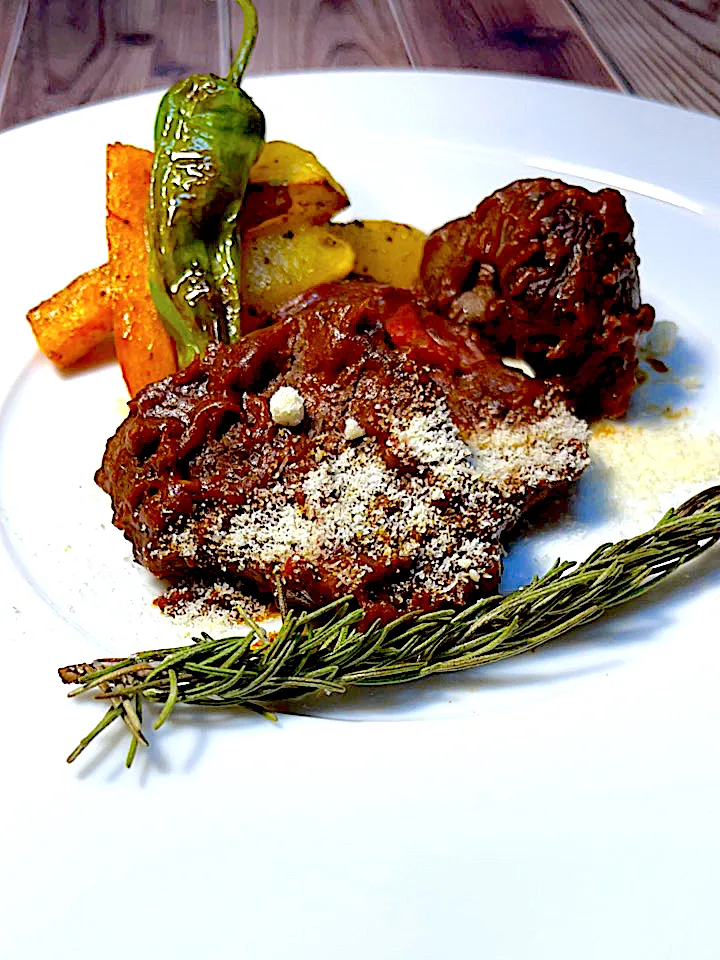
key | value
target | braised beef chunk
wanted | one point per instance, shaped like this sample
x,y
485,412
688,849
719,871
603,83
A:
x,y
408,451
548,273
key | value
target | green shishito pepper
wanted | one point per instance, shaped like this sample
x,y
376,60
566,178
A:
x,y
208,134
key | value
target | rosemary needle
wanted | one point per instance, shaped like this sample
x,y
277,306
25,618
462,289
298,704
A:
x,y
326,651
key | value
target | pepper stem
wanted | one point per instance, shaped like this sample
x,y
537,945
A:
x,y
249,36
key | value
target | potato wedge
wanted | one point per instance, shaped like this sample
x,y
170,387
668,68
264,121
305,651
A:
x,y
76,319
289,186
281,163
279,267
385,251
144,348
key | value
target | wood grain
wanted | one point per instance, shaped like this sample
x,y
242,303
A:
x,y
13,14
317,34
187,39
74,52
538,37
662,49
12,17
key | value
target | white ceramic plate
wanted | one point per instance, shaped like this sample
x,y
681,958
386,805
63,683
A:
x,y
556,807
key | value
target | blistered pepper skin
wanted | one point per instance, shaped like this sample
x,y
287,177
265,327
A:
x,y
208,135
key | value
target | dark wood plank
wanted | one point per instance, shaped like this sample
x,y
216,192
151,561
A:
x,y
12,21
663,49
187,39
316,34
703,8
538,37
74,52
12,15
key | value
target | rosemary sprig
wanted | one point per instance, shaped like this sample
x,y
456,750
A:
x,y
325,650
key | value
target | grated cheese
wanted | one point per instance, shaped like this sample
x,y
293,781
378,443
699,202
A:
x,y
644,464
353,430
518,455
287,407
423,497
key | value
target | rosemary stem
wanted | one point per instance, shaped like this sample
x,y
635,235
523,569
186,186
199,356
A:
x,y
325,650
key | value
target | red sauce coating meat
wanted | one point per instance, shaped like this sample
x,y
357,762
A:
x,y
547,272
448,447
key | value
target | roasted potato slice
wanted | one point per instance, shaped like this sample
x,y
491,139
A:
x,y
279,267
144,348
76,319
289,186
385,251
281,163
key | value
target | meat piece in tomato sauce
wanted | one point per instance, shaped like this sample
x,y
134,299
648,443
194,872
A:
x,y
417,452
548,273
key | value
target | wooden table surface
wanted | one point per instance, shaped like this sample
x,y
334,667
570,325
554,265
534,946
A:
x,y
57,54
